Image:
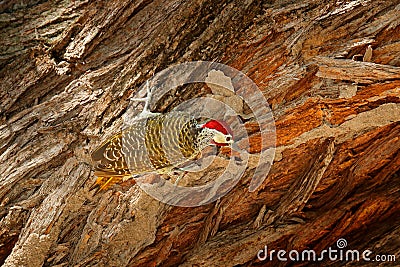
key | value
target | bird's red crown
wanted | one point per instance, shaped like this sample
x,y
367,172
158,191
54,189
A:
x,y
219,126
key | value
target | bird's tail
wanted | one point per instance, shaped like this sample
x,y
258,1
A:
x,y
102,184
104,181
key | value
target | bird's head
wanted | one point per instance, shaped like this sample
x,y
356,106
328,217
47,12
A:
x,y
220,133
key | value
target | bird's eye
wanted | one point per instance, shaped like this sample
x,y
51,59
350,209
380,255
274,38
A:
x,y
228,138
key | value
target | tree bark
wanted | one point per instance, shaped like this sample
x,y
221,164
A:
x,y
329,69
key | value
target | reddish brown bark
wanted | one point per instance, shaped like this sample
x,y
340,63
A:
x,y
329,69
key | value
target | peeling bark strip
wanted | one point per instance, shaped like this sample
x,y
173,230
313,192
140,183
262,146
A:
x,y
360,72
68,69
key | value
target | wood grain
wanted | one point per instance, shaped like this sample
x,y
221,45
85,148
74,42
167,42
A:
x,y
68,69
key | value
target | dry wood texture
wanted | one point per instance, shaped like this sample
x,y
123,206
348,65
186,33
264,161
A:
x,y
329,69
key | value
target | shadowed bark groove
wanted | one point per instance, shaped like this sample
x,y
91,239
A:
x,y
329,69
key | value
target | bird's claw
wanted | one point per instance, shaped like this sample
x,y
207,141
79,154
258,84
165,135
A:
x,y
149,93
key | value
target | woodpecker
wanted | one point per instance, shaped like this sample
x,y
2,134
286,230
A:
x,y
156,143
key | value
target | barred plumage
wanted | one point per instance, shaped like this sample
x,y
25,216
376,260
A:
x,y
155,144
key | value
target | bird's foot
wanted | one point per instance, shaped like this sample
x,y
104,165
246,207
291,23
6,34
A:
x,y
180,176
146,111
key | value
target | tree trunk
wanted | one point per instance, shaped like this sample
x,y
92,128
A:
x,y
329,69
